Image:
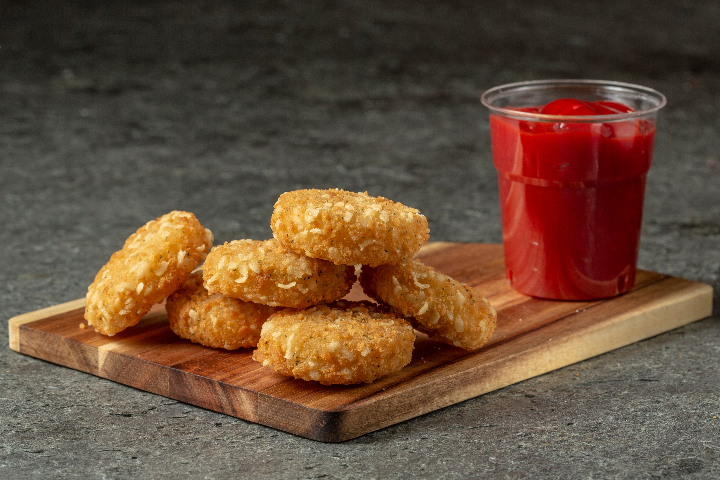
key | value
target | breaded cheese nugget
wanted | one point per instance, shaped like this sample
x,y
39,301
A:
x,y
266,272
336,344
152,264
445,309
215,321
348,228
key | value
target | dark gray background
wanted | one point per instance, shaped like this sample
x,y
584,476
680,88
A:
x,y
113,113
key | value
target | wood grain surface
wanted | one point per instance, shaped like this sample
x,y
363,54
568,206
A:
x,y
533,337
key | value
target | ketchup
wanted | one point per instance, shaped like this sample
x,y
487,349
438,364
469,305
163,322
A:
x,y
572,197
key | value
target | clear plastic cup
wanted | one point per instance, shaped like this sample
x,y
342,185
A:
x,y
571,187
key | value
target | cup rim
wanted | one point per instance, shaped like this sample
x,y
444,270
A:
x,y
541,84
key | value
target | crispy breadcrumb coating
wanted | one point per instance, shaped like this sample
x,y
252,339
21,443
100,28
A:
x,y
152,264
336,344
348,228
266,272
445,309
215,321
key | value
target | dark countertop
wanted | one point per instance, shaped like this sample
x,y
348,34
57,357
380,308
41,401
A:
x,y
111,116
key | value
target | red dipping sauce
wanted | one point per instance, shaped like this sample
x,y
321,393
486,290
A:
x,y
571,195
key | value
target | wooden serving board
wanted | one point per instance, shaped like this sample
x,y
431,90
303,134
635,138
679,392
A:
x,y
532,337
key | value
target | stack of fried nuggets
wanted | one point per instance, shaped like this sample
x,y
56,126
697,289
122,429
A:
x,y
284,295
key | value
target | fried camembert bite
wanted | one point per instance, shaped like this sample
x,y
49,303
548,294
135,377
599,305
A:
x,y
339,343
348,228
152,264
216,321
445,309
267,272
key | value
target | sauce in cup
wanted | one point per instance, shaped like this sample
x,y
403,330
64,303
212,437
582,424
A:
x,y
572,174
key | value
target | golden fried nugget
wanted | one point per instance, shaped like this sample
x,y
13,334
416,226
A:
x,y
152,264
348,228
339,343
215,321
445,309
266,272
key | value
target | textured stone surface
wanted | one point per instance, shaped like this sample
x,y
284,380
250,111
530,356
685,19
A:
x,y
113,115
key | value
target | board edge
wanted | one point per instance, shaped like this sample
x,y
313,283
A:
x,y
431,247
17,321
